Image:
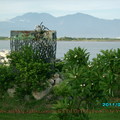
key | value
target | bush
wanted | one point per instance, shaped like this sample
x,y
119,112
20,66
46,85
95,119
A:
x,y
78,56
108,67
59,64
7,78
31,73
69,90
87,84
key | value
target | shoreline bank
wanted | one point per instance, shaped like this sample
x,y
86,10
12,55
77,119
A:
x,y
82,40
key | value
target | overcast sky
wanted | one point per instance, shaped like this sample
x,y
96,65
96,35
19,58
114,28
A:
x,y
107,9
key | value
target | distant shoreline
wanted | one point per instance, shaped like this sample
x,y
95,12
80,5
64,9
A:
x,y
80,39
4,38
91,40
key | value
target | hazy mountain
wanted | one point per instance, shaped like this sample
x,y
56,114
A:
x,y
75,25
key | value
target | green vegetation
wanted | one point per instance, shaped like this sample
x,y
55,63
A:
x,y
86,85
32,107
4,38
70,39
93,116
108,66
28,116
86,39
28,73
6,79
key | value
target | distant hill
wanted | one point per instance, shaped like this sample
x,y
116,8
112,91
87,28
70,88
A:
x,y
75,25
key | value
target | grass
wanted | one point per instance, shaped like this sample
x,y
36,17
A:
x,y
32,107
105,116
8,116
10,108
47,116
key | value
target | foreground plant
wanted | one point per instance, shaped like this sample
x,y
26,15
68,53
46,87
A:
x,y
7,79
31,74
71,90
108,67
87,84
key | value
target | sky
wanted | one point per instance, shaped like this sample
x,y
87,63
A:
x,y
105,9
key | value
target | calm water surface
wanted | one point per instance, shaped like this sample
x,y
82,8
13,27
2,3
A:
x,y
64,46
4,44
92,47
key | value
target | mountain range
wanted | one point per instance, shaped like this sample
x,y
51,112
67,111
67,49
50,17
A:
x,y
74,25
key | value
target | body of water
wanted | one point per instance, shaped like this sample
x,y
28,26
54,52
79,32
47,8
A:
x,y
93,47
4,45
64,46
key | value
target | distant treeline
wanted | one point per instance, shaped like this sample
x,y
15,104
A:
x,y
86,39
4,38
76,39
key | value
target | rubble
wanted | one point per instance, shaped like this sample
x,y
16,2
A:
x,y
55,80
3,56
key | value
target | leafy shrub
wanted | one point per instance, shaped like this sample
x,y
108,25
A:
x,y
59,64
6,78
69,89
64,112
31,73
82,89
108,66
78,57
87,84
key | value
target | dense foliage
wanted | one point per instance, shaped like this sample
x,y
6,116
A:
x,y
75,58
6,78
31,73
26,72
108,67
87,84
